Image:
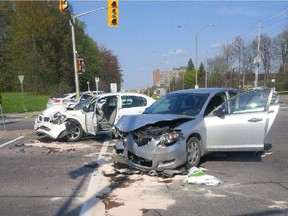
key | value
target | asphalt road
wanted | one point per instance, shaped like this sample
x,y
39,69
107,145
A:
x,y
253,183
55,179
43,180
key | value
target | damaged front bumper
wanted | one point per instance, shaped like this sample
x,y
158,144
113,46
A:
x,y
54,131
150,156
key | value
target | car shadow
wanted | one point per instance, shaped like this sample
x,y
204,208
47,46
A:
x,y
244,156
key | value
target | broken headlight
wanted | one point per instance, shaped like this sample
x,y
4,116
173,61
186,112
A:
x,y
58,118
168,139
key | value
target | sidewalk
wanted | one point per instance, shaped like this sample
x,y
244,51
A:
x,y
19,115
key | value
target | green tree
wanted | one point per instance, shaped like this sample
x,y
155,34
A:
x,y
6,10
190,65
38,45
189,76
201,75
110,69
87,49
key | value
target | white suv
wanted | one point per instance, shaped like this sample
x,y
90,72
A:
x,y
94,116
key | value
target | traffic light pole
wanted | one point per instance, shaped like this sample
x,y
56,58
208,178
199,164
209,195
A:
x,y
72,23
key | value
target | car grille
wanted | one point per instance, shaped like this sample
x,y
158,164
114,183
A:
x,y
139,160
43,118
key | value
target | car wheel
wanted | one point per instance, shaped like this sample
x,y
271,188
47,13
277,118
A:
x,y
193,152
74,131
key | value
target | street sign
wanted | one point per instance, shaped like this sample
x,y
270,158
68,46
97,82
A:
x,y
113,87
21,78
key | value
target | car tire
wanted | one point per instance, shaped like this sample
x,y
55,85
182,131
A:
x,y
74,131
193,149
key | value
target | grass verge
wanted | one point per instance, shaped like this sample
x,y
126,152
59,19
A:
x,y
14,102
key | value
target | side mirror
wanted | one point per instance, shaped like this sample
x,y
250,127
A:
x,y
85,109
220,112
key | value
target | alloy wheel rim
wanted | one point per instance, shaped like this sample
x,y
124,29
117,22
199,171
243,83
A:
x,y
193,153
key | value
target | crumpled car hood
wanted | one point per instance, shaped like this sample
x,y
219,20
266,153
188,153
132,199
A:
x,y
132,122
54,109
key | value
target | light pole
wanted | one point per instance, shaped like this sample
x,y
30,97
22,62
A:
x,y
196,32
97,81
273,80
88,84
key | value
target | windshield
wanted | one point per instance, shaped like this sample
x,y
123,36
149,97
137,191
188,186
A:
x,y
82,104
180,104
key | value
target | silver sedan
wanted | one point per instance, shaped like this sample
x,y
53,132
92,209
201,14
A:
x,y
181,127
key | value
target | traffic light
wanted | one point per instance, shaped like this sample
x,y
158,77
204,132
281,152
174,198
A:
x,y
63,5
112,13
81,67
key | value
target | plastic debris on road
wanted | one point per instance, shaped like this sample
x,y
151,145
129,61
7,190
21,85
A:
x,y
198,176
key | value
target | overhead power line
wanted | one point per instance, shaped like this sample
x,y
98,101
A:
x,y
271,24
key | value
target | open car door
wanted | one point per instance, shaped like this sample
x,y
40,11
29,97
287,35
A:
x,y
272,113
241,123
91,118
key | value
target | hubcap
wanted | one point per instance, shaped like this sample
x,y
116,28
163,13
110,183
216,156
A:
x,y
192,153
74,133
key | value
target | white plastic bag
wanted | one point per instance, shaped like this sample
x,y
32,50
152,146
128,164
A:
x,y
197,176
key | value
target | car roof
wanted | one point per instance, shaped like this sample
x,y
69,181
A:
x,y
122,94
204,90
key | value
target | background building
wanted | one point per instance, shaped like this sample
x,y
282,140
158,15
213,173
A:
x,y
164,80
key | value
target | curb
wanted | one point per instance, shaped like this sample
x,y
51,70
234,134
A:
x,y
20,115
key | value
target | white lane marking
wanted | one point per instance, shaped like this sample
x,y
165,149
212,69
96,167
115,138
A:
x,y
90,197
11,141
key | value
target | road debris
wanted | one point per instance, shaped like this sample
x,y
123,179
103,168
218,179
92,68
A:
x,y
19,144
198,176
265,153
54,147
93,165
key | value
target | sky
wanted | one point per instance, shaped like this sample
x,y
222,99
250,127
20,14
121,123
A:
x,y
148,36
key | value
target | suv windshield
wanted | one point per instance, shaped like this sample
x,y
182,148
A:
x,y
180,104
83,103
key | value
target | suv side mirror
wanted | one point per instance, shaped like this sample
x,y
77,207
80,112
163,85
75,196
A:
x,y
85,109
220,112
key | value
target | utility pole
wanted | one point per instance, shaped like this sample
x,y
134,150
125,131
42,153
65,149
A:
x,y
72,23
206,70
257,59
